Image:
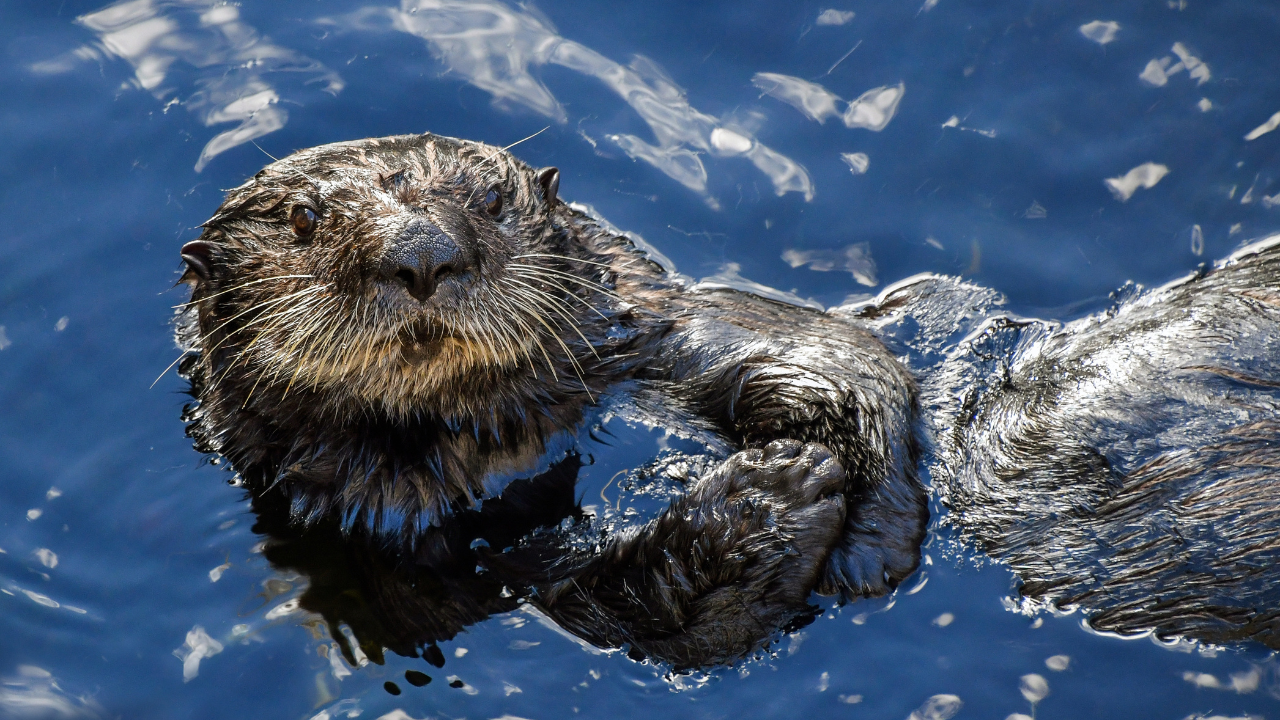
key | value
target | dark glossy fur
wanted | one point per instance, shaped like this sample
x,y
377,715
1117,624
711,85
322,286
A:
x,y
324,381
1126,463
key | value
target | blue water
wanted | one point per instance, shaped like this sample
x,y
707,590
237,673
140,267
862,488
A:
x,y
987,131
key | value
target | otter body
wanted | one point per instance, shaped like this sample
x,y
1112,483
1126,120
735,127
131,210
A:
x,y
393,340
1126,463
388,331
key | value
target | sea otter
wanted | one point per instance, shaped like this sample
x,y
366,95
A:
x,y
393,339
389,331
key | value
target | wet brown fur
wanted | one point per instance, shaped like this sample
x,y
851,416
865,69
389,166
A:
x,y
322,380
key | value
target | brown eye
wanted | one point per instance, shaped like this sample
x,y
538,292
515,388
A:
x,y
493,201
303,219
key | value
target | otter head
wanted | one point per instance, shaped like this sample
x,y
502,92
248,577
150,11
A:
x,y
379,273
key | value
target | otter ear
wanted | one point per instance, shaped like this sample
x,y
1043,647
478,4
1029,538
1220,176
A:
x,y
549,179
199,257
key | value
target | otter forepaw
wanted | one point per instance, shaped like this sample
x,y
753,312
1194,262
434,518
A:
x,y
725,565
782,508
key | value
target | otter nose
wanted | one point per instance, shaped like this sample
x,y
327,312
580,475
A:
x,y
420,258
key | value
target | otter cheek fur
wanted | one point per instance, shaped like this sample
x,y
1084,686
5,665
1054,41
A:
x,y
379,329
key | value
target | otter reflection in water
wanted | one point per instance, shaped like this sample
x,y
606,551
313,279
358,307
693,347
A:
x,y
385,332
406,603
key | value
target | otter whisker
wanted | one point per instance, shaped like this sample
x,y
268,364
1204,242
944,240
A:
x,y
545,271
260,306
524,139
496,153
368,348
272,325
334,329
344,349
559,307
166,370
470,335
563,289
559,303
577,368
249,396
270,317
332,323
486,328
542,321
307,330
567,276
238,287
561,257
514,316
501,331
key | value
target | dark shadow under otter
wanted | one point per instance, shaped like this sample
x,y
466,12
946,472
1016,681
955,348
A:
x,y
525,546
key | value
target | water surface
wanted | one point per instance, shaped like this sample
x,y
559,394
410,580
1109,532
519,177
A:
x,y
1051,151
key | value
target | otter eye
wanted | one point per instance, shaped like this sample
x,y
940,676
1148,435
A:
x,y
303,219
493,201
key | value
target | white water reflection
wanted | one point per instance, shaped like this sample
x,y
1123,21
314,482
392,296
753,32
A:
x,y
1058,663
857,162
831,16
197,647
33,692
1144,176
40,598
729,277
1099,31
237,70
1033,687
1242,683
815,101
875,108
854,259
1271,124
1158,71
872,110
954,122
496,48
216,574
938,707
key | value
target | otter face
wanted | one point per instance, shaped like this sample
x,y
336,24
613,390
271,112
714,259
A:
x,y
381,270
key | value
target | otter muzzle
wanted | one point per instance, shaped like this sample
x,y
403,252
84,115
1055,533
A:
x,y
420,258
